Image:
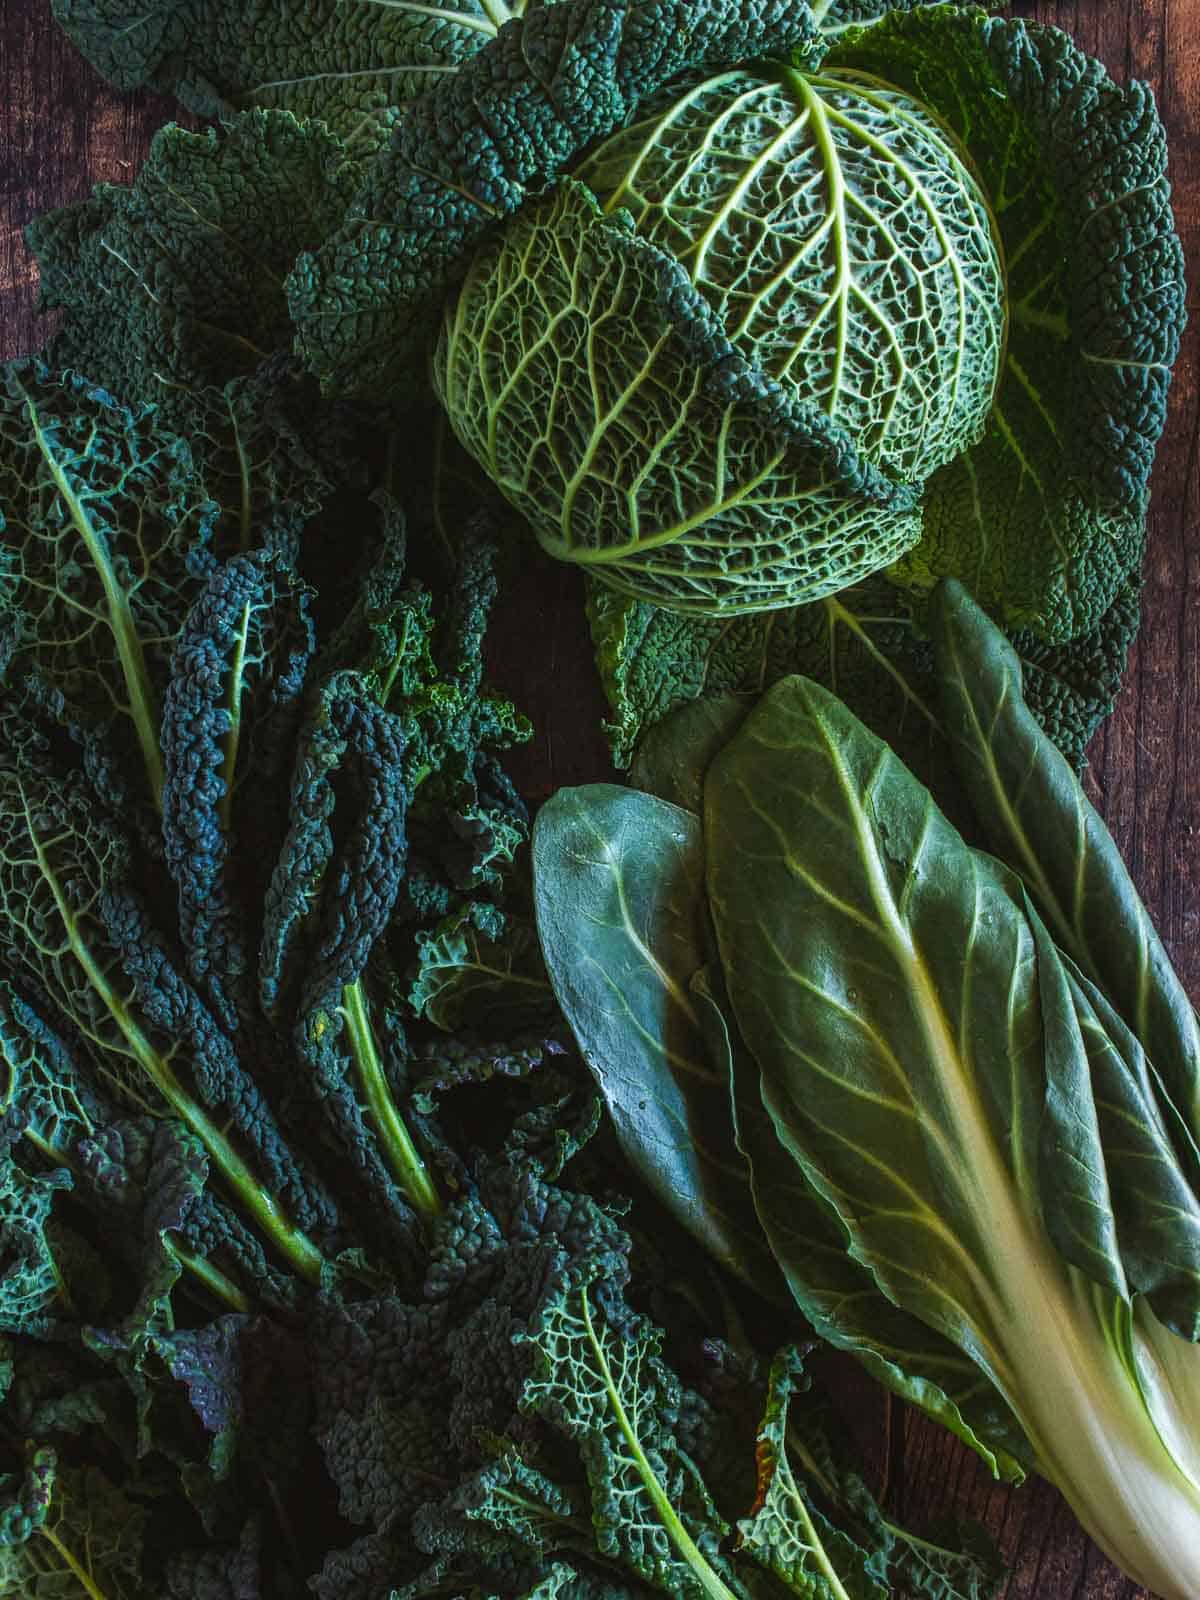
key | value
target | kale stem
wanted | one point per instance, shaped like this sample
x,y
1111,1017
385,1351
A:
x,y
68,1559
401,1154
213,1279
298,1249
708,1580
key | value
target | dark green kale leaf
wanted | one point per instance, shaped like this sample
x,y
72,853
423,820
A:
x,y
65,1530
106,539
354,66
218,1572
480,971
74,933
234,701
399,817
175,283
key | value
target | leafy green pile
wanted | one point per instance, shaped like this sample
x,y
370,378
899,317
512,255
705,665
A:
x,y
759,347
949,1095
293,1290
381,1219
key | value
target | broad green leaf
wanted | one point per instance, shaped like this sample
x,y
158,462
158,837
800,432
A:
x,y
1120,1170
1037,817
618,889
673,757
885,979
837,1294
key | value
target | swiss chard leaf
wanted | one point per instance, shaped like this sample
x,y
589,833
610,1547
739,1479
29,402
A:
x,y
618,886
863,945
837,1293
1037,818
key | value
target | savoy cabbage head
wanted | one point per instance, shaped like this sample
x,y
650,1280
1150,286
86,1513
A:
x,y
817,245
744,301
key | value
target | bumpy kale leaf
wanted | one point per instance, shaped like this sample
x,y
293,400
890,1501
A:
x,y
233,705
354,66
175,282
106,540
69,1531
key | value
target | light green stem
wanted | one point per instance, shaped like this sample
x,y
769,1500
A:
x,y
213,1279
400,1153
687,1547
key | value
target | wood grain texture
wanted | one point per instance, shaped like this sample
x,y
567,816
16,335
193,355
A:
x,y
61,130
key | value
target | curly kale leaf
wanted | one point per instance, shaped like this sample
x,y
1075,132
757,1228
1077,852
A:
x,y
478,972
1044,517
866,644
105,542
482,140
85,1535
238,1370
218,1573
353,66
72,931
174,283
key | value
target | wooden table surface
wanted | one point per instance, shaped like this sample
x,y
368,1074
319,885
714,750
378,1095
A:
x,y
62,129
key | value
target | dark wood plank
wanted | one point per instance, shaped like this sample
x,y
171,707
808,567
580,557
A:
x,y
61,130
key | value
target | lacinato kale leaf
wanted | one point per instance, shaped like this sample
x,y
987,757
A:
x,y
75,933
175,282
234,701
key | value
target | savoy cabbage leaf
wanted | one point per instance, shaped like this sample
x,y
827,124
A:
x,y
106,539
85,1538
1044,518
476,145
866,643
